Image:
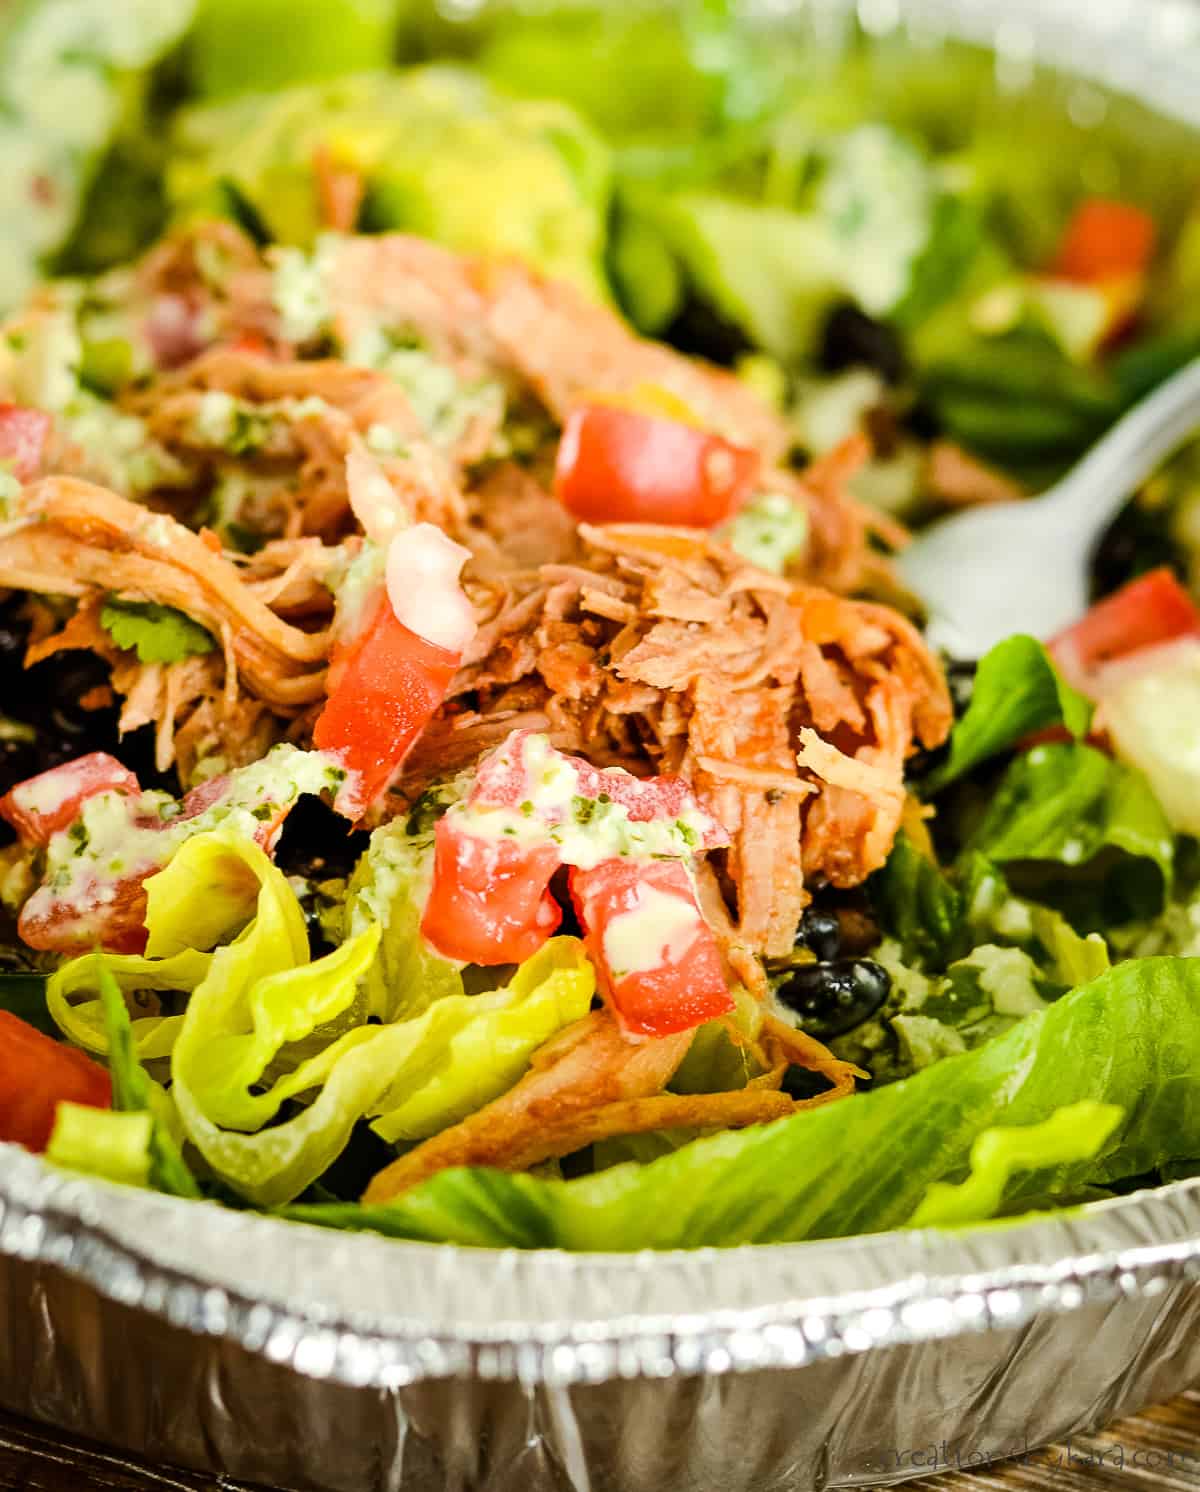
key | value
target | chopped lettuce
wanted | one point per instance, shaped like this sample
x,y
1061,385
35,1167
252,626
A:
x,y
866,1164
467,1050
276,1058
917,904
144,1149
205,893
1071,806
1071,1134
1018,691
114,1145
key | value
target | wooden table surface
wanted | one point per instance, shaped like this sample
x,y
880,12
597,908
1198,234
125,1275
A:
x,y
1156,1451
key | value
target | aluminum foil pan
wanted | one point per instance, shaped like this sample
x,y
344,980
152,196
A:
x,y
330,1362
353,1363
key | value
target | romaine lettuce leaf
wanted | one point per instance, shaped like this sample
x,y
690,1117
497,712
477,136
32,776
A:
x,y
1070,805
1071,1134
865,1164
389,887
113,1144
918,905
206,892
416,1075
469,1049
264,1026
112,1148
1017,691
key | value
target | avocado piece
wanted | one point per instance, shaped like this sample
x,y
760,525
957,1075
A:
x,y
524,178
241,46
442,155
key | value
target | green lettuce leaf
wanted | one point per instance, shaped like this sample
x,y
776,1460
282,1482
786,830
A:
x,y
917,904
1074,960
159,634
715,1063
1072,1134
1017,691
415,1075
265,1031
468,1050
115,1145
865,1164
1070,805
134,1093
205,893
389,888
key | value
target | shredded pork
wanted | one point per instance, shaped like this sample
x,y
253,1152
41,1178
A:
x,y
662,651
790,707
591,1083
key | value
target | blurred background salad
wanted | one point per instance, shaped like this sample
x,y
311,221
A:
x,y
982,283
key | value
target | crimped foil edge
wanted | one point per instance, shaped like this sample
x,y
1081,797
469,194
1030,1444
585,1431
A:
x,y
988,1279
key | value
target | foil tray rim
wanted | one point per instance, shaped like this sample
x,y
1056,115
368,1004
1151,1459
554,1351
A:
x,y
547,1317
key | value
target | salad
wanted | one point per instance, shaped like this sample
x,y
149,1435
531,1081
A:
x,y
469,768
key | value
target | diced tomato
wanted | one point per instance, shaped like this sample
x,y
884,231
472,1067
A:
x,y
619,465
676,978
23,436
114,916
253,343
489,902
384,687
42,806
1105,240
1149,611
36,1075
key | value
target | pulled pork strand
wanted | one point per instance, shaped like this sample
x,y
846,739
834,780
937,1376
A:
x,y
590,1083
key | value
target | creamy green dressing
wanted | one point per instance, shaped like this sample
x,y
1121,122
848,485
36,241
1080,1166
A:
x,y
299,292
119,835
1008,976
770,531
877,197
354,583
586,831
444,403
43,364
241,427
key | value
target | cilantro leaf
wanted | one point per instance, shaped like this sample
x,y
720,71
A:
x,y
159,633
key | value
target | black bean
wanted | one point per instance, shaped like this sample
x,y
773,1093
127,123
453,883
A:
x,y
960,679
852,339
799,1083
821,933
701,330
831,998
1137,540
317,843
